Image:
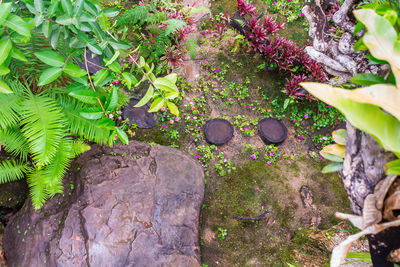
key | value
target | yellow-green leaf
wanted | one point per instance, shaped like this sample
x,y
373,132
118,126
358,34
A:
x,y
5,48
380,39
50,58
335,149
4,12
146,98
173,108
74,70
49,76
339,136
157,104
4,88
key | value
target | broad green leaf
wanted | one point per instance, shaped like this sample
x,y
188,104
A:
x,y
106,123
122,135
91,8
172,77
112,100
5,9
18,24
367,79
129,79
335,149
94,48
82,80
54,36
74,70
5,48
173,108
67,7
116,55
103,21
339,136
165,85
331,157
92,113
384,95
333,167
115,67
141,62
4,88
111,12
146,98
18,55
50,58
52,8
157,104
39,5
383,127
374,60
49,75
119,44
171,95
4,70
393,167
380,39
64,20
100,76
85,96
358,28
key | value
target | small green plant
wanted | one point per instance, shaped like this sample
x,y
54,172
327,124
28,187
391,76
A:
x,y
222,233
174,134
224,166
271,154
245,124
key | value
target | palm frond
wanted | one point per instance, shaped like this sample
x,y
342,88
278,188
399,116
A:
x,y
37,185
44,127
11,170
14,142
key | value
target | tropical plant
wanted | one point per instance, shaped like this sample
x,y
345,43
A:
x,y
60,40
373,109
335,152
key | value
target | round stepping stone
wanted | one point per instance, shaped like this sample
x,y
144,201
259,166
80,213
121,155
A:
x,y
139,116
272,131
218,131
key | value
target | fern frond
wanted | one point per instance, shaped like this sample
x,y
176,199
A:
x,y
56,170
78,147
174,25
82,127
162,41
11,170
43,126
14,142
37,188
157,18
9,110
191,46
137,14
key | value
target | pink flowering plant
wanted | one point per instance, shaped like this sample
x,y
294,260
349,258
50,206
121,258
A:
x,y
205,155
246,124
271,154
224,166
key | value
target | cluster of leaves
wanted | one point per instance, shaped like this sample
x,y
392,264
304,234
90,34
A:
x,y
162,30
224,166
378,99
290,9
263,37
246,125
38,120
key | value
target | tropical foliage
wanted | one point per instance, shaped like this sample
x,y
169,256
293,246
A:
x,y
68,94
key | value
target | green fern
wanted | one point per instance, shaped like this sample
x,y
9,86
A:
x,y
56,170
78,147
14,142
9,109
37,187
43,126
191,46
138,14
11,170
82,127
174,25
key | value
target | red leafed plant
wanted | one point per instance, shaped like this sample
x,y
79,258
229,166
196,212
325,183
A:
x,y
264,38
246,8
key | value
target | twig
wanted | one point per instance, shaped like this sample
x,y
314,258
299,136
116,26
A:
x,y
256,218
91,83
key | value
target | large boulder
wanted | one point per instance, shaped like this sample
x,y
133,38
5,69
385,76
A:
x,y
130,205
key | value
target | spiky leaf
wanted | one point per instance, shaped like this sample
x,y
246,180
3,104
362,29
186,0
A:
x,y
11,170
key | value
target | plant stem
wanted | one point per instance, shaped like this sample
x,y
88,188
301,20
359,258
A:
x,y
145,75
91,83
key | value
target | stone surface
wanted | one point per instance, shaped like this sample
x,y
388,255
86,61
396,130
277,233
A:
x,y
130,205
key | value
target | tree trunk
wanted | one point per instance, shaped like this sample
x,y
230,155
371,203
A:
x,y
365,158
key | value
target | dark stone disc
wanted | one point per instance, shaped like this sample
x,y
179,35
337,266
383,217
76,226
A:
x,y
139,116
218,131
272,131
